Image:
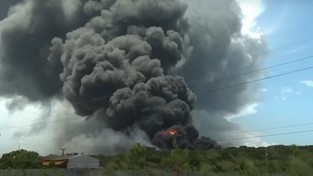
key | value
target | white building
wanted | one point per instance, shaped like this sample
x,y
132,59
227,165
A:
x,y
83,162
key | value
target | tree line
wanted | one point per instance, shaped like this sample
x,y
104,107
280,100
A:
x,y
294,160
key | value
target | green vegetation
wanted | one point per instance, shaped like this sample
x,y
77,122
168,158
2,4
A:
x,y
20,159
250,161
246,161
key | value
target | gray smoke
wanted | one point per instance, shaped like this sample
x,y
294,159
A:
x,y
131,65
16,104
217,51
5,6
39,125
26,36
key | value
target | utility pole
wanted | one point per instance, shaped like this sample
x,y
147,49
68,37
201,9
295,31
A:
x,y
266,160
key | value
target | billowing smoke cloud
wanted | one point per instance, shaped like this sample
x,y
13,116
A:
x,y
124,63
5,6
25,40
218,51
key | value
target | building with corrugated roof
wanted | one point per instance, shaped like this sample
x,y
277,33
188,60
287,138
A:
x,y
71,161
83,162
56,160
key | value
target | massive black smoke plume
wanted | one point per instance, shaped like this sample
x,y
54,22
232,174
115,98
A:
x,y
119,61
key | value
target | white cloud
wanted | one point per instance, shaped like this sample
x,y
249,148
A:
x,y
299,93
264,90
13,122
247,110
253,140
287,90
308,83
251,10
225,132
62,128
276,22
282,98
24,123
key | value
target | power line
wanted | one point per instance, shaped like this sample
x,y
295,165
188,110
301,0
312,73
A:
x,y
229,77
251,137
266,68
232,76
275,128
283,127
267,135
42,121
257,130
236,85
61,120
274,50
257,70
226,140
209,91
212,90
35,122
204,92
292,44
253,81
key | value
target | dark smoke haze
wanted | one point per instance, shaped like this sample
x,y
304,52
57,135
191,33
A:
x,y
135,69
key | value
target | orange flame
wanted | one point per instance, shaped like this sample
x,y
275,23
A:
x,y
171,132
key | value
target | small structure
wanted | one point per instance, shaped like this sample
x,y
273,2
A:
x,y
56,161
71,162
83,162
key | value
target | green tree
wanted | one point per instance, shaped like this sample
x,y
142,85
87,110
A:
x,y
294,148
178,159
136,157
297,167
207,169
248,168
277,166
195,159
21,159
227,166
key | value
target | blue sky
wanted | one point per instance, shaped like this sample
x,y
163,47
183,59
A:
x,y
288,30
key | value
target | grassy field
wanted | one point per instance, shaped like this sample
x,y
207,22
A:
x,y
102,172
32,172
